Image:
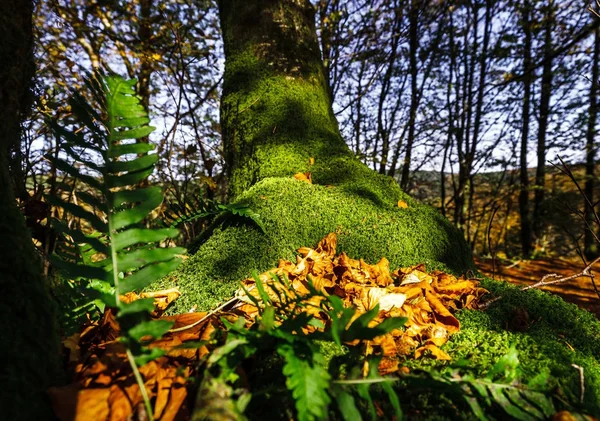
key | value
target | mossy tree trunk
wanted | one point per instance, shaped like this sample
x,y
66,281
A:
x,y
29,348
277,121
276,109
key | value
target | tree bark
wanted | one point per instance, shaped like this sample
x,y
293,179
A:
x,y
276,109
589,240
524,176
546,93
29,351
414,100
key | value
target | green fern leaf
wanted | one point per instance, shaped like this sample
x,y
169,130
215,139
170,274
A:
x,y
308,382
108,156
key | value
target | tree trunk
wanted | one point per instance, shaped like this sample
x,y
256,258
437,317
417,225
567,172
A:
x,y
275,110
414,102
546,93
590,244
524,177
276,115
29,351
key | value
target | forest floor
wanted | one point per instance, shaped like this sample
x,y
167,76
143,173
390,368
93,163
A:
x,y
579,291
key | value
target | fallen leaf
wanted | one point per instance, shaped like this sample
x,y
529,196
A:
x,y
306,177
437,353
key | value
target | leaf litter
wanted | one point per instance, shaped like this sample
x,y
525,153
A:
x,y
103,386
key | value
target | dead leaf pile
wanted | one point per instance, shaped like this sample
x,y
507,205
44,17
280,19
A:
x,y
426,299
103,386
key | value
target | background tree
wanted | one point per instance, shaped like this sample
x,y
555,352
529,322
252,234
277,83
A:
x,y
29,330
590,243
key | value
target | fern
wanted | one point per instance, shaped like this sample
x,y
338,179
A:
x,y
499,391
308,380
104,152
176,215
282,329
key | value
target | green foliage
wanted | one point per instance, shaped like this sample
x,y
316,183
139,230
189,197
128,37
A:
x,y
499,392
283,328
104,152
208,210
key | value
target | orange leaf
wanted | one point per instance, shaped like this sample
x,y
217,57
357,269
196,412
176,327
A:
x,y
402,204
307,177
92,404
437,353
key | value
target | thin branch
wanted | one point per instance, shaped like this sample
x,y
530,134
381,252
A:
x,y
545,281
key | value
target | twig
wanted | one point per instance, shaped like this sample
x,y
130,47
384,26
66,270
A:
x,y
581,382
514,264
197,322
544,281
219,308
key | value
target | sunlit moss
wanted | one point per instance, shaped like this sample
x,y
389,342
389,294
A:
x,y
298,214
558,335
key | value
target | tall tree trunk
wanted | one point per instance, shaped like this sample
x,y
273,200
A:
x,y
546,93
273,67
414,100
383,130
145,38
524,177
451,117
478,116
29,351
276,115
589,240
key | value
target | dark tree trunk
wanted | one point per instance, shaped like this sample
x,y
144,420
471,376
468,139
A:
x,y
29,351
524,176
590,243
414,92
546,93
145,37
383,129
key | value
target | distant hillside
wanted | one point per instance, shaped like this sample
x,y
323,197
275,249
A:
x,y
494,222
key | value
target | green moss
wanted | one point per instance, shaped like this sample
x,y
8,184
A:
x,y
369,224
559,335
298,214
30,341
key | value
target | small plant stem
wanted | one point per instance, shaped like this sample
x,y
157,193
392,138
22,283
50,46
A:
x,y
140,382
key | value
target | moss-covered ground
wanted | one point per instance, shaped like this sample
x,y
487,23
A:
x,y
368,222
555,335
364,213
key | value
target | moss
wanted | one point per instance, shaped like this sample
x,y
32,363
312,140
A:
x,y
298,214
560,334
30,341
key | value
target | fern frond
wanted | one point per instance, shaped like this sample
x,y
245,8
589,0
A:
x,y
106,154
308,383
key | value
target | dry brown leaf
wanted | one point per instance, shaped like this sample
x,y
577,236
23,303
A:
x,y
435,352
92,404
306,177
119,404
402,204
176,399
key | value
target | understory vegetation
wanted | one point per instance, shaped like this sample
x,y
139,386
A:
x,y
325,337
